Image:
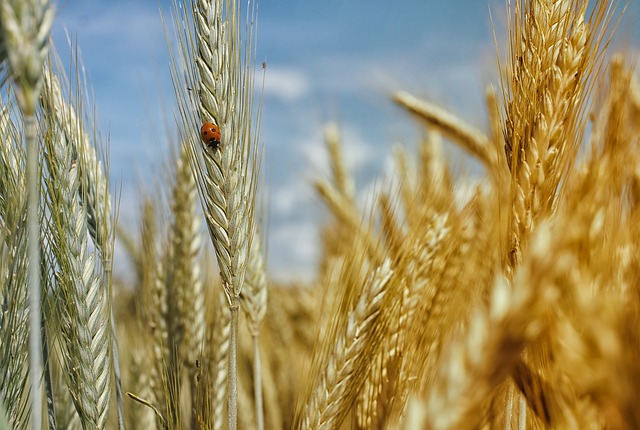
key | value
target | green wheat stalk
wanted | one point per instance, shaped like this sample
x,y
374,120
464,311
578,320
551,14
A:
x,y
24,29
14,316
83,294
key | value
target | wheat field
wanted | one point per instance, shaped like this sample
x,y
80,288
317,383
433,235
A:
x,y
509,300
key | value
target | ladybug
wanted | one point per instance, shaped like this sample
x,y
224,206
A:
x,y
210,135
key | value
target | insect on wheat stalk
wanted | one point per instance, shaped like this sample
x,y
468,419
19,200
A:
x,y
217,63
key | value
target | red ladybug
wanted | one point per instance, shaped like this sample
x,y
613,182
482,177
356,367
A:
x,y
210,135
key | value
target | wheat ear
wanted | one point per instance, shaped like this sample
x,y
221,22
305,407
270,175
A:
x,y
555,55
227,173
341,178
74,280
85,297
480,360
154,302
141,418
95,195
472,140
254,304
24,28
185,279
14,319
219,361
342,376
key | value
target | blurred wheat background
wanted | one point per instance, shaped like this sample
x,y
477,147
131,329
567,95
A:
x,y
508,300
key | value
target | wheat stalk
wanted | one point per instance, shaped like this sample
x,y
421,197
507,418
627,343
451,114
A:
x,y
479,361
472,140
154,303
25,29
185,281
227,175
554,57
341,178
13,282
254,304
85,298
95,196
219,344
342,373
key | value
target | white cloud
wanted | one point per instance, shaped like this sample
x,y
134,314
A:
x,y
287,84
357,152
285,199
293,250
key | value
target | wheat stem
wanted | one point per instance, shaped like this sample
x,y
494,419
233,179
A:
x,y
233,368
254,304
220,359
48,383
33,246
25,29
257,381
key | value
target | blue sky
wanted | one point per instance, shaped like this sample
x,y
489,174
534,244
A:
x,y
332,60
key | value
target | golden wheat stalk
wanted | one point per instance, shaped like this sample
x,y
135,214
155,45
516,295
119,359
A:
x,y
341,376
479,361
554,57
472,140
